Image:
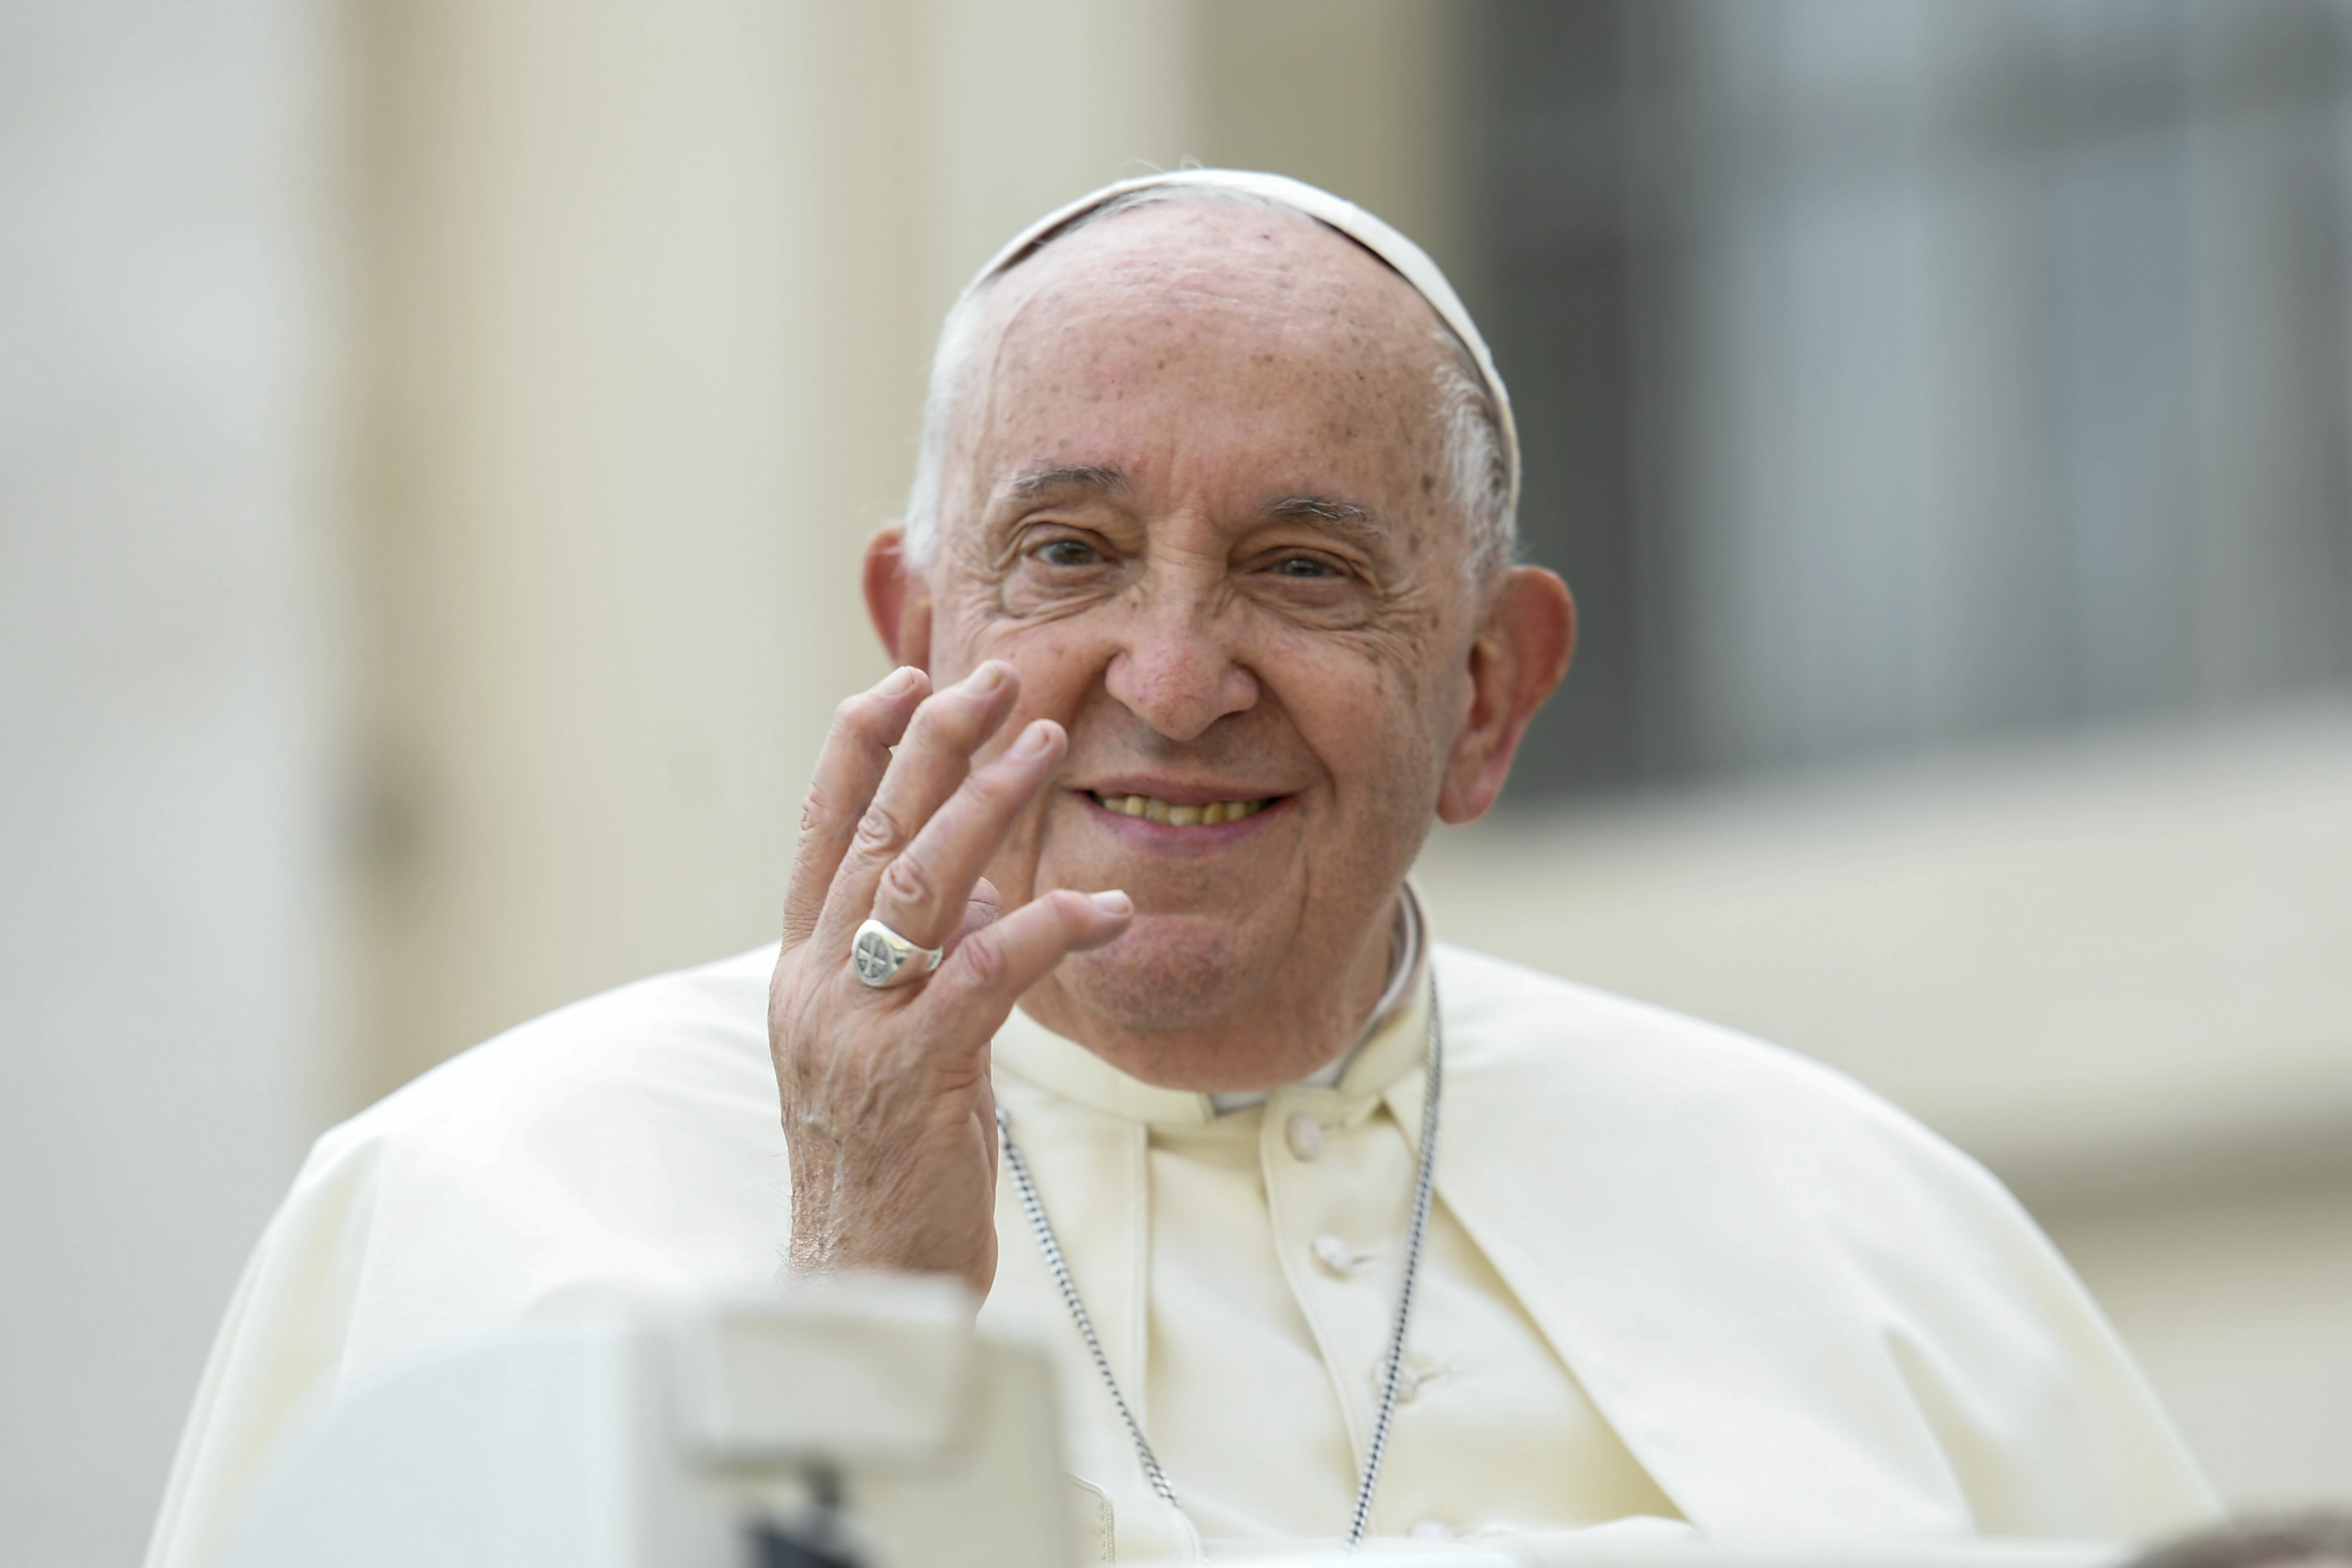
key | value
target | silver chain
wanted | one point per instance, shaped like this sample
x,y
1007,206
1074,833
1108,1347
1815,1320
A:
x,y
1392,1367
1061,1271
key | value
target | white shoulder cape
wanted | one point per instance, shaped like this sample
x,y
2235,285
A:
x,y
1803,1313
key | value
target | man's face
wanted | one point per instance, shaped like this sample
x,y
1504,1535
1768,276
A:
x,y
1195,496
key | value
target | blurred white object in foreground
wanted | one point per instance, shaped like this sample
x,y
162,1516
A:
x,y
863,1426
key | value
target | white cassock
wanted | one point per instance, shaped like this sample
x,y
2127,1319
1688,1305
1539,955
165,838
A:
x,y
1672,1273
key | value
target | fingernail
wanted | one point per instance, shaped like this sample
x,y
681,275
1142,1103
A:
x,y
986,679
1033,741
899,681
1114,902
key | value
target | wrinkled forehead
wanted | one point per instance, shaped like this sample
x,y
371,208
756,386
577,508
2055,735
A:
x,y
1175,279
1178,255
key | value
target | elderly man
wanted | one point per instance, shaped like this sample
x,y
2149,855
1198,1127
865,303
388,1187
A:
x,y
1102,989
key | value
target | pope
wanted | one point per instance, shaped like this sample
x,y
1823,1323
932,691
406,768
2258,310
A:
x,y
1103,989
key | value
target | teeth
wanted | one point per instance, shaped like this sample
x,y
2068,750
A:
x,y
1159,810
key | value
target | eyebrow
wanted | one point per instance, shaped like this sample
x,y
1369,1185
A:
x,y
1108,478
1345,516
1101,479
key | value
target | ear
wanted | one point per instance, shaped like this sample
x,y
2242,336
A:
x,y
1521,652
898,599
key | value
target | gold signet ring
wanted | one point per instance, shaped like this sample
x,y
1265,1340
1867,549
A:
x,y
883,958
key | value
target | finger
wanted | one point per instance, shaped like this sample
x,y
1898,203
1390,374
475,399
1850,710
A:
x,y
922,894
848,769
993,967
981,910
932,759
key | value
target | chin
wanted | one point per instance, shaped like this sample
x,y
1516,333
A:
x,y
1168,972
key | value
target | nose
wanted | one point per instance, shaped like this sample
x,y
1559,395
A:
x,y
1176,669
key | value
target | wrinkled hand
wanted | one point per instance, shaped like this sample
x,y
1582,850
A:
x,y
886,1105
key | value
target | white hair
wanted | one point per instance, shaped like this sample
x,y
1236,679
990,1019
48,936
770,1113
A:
x,y
1469,423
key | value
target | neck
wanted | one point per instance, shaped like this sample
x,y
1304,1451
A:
x,y
1281,1033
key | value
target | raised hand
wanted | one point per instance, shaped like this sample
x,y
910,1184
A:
x,y
886,1105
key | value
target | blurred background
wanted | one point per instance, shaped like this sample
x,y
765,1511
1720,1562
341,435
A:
x,y
436,437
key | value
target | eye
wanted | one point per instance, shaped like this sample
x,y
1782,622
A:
x,y
1068,553
1305,567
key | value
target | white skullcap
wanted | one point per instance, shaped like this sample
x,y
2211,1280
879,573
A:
x,y
1410,262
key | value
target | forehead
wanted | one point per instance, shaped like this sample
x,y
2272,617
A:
x,y
1172,312
1192,255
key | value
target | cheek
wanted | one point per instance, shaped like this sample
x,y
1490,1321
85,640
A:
x,y
1364,705
1057,660
1058,663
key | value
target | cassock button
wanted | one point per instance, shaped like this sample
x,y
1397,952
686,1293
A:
x,y
1408,1380
1304,1134
1337,1256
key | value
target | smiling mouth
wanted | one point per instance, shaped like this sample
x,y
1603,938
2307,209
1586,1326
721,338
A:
x,y
1205,815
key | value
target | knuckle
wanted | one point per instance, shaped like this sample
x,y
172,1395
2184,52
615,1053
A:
x,y
853,713
984,960
878,831
950,718
998,787
816,810
908,882
859,724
